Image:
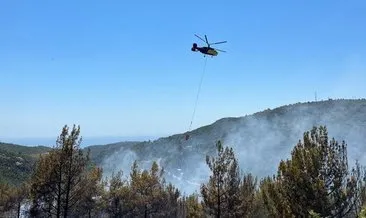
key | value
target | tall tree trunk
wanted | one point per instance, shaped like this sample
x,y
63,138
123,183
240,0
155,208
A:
x,y
218,199
66,209
58,206
68,185
59,192
18,209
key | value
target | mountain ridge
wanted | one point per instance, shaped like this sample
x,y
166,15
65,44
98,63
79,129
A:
x,y
262,137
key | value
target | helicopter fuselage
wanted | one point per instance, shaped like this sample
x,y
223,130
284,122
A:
x,y
208,51
205,50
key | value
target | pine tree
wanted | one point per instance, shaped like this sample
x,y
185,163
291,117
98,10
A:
x,y
221,193
148,191
12,198
248,194
6,192
190,207
170,204
60,177
316,179
118,196
91,203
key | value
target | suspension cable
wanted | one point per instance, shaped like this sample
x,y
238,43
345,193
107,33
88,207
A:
x,y
199,90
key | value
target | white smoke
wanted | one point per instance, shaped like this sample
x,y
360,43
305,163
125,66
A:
x,y
260,142
119,161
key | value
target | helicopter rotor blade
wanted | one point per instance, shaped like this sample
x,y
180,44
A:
x,y
218,43
207,40
199,37
219,50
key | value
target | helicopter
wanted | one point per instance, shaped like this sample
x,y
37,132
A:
x,y
207,50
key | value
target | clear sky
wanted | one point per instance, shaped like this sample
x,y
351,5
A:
x,y
125,68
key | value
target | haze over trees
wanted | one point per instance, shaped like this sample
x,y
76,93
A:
x,y
254,138
315,182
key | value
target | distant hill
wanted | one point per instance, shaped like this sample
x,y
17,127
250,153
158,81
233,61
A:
x,y
16,161
260,141
98,153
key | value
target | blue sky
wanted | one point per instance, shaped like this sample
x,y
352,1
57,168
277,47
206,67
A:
x,y
125,68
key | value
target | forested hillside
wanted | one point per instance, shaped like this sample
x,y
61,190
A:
x,y
17,162
264,137
315,181
260,141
